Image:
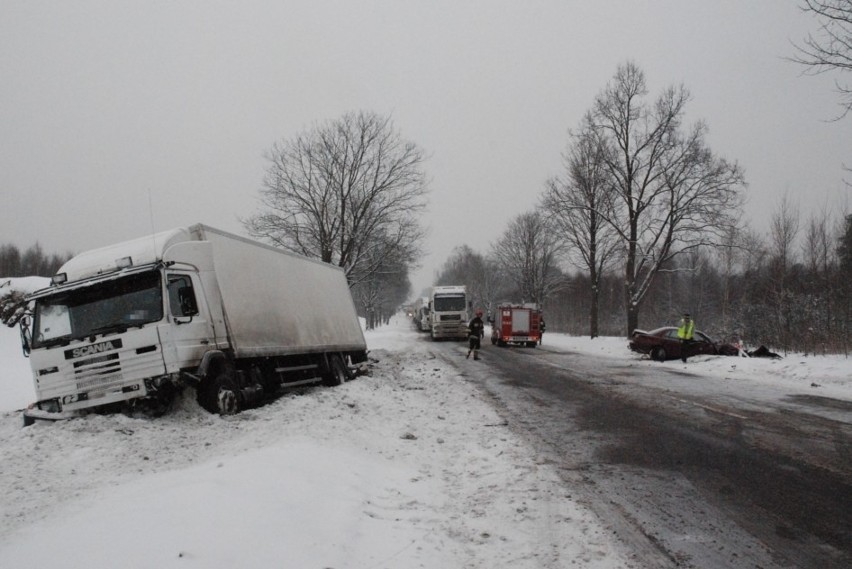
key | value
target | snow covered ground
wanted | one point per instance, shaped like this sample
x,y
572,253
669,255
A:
x,y
405,468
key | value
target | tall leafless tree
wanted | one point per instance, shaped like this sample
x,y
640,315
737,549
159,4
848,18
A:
x,y
478,273
844,280
577,202
380,296
670,193
348,192
784,230
527,253
727,257
830,47
819,254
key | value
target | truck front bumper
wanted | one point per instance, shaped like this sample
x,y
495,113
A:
x,y
441,331
33,413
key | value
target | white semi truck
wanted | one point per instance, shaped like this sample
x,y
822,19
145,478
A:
x,y
136,321
450,312
421,318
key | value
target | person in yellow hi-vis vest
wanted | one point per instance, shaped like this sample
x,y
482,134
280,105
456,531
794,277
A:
x,y
684,333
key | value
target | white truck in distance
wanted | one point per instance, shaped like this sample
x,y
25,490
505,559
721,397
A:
x,y
449,312
136,321
421,318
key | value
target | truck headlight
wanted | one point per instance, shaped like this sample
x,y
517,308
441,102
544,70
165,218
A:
x,y
49,405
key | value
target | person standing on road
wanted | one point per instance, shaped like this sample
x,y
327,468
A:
x,y
476,330
685,333
541,328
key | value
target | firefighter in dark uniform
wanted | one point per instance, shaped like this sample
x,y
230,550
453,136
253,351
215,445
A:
x,y
476,329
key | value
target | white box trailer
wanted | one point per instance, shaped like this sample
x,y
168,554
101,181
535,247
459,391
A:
x,y
235,318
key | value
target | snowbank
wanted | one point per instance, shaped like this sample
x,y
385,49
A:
x,y
409,467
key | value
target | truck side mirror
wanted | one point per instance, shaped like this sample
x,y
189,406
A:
x,y
188,306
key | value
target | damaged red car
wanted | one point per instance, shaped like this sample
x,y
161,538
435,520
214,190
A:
x,y
663,344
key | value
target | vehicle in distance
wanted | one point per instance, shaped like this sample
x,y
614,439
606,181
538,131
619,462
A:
x,y
449,312
515,324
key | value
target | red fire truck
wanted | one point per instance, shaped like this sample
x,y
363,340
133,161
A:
x,y
516,324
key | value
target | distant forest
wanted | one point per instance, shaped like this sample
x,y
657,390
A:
x,y
32,262
762,292
804,307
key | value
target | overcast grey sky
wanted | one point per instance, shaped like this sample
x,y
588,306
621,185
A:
x,y
119,115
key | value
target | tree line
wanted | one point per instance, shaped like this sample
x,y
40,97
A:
x,y
639,189
644,219
32,261
790,289
642,223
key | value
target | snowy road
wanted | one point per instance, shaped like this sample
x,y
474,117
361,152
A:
x,y
406,468
512,462
688,476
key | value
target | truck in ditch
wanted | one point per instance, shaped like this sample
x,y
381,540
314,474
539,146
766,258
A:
x,y
449,312
518,324
136,322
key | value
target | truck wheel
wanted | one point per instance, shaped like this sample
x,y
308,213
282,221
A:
x,y
219,394
227,402
658,354
336,374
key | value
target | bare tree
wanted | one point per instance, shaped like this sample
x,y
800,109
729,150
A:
x,y
830,48
819,255
527,253
670,193
478,273
32,262
382,295
10,261
816,247
728,253
348,192
578,205
784,230
844,279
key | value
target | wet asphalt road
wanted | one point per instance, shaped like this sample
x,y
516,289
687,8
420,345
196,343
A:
x,y
682,479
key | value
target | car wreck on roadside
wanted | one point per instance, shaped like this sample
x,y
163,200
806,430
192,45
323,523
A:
x,y
663,344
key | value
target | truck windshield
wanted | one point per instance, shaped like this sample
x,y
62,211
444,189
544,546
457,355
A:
x,y
109,306
449,303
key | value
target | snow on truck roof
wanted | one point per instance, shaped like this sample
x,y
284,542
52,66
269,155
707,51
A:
x,y
151,249
142,251
449,289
